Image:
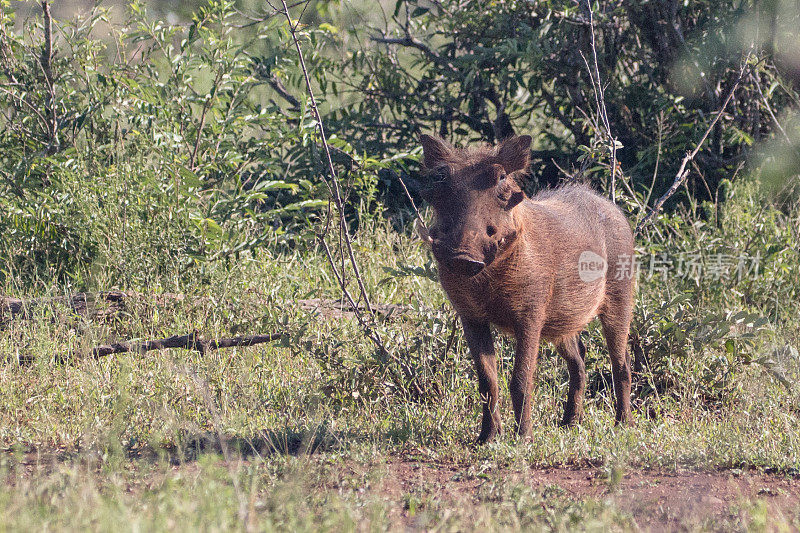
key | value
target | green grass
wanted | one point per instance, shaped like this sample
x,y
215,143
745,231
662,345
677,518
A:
x,y
295,494
296,435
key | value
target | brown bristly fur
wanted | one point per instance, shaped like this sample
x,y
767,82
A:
x,y
513,262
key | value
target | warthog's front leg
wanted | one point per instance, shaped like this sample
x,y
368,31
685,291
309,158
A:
x,y
525,361
481,346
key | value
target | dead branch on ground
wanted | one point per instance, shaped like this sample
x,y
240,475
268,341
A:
x,y
186,342
81,304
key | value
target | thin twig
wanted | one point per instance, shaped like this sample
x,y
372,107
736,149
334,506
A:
x,y
600,102
206,107
13,185
413,42
45,124
450,339
658,157
333,184
46,63
769,110
372,334
255,20
413,205
570,176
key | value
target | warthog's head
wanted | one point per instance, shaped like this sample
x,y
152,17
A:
x,y
473,193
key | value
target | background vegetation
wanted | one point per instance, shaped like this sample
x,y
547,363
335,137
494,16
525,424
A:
x,y
174,154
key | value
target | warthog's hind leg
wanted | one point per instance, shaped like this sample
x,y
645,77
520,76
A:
x,y
573,351
616,323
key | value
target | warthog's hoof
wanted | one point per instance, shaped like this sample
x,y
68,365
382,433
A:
x,y
625,422
487,436
571,418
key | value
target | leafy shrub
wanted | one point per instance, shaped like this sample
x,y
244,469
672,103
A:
x,y
155,150
696,327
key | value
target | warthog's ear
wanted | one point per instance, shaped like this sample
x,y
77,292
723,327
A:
x,y
515,153
436,151
516,198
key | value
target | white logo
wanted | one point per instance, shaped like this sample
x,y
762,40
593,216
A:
x,y
591,267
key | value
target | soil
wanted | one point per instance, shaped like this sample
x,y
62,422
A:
x,y
680,500
657,501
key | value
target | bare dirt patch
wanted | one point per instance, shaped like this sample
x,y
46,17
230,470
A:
x,y
657,501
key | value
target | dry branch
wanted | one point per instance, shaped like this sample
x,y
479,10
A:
x,y
412,42
91,305
280,88
45,61
344,233
82,304
683,171
600,102
186,342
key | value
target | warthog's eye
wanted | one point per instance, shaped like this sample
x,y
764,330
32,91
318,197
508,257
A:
x,y
440,174
490,230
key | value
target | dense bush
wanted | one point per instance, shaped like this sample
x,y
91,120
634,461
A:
x,y
481,70
209,119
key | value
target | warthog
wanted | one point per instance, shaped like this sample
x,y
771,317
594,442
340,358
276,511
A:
x,y
537,268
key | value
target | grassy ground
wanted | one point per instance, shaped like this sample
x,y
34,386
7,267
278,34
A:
x,y
317,432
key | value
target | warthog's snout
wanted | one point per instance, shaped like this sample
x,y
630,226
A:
x,y
464,265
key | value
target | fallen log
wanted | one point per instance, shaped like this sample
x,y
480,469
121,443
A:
x,y
108,304
186,342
